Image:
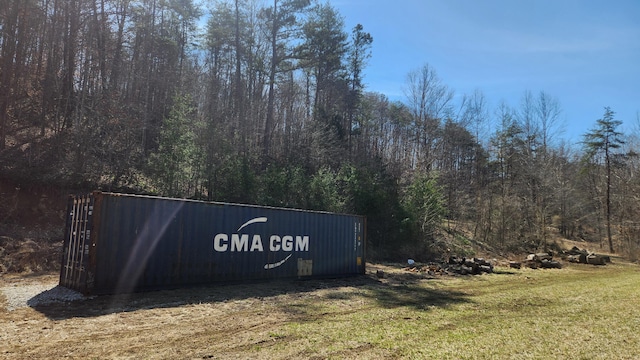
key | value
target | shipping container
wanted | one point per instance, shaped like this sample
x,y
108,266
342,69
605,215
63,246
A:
x,y
119,243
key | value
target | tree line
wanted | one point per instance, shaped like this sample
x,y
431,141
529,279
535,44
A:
x,y
264,102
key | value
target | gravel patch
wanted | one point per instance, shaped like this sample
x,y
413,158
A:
x,y
19,296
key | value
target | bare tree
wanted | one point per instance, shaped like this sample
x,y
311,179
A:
x,y
430,101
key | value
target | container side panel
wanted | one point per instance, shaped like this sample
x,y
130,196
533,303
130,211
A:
x,y
156,243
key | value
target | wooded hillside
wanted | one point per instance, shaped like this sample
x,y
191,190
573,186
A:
x,y
264,102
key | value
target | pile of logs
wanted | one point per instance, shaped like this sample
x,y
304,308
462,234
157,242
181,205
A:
x,y
455,266
581,256
537,261
464,266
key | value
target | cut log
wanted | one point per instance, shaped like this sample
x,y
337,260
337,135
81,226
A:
x,y
532,264
578,258
595,259
576,251
582,258
473,266
543,256
550,264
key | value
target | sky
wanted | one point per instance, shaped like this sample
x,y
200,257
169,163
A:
x,y
584,53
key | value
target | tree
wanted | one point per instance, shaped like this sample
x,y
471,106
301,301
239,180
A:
x,y
430,101
507,144
456,165
322,55
358,55
474,117
323,51
282,18
600,145
538,118
425,206
176,164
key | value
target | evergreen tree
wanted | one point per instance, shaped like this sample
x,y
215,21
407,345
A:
x,y
176,164
601,145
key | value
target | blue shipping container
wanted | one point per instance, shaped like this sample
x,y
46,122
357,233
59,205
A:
x,y
117,243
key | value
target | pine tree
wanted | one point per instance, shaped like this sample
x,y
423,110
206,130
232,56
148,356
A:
x,y
603,141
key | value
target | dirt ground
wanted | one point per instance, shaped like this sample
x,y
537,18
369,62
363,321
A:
x,y
215,322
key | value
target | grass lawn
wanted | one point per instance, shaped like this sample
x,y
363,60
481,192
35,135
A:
x,y
579,312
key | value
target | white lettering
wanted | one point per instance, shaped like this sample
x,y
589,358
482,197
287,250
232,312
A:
x,y
256,244
218,244
274,243
287,243
302,243
239,242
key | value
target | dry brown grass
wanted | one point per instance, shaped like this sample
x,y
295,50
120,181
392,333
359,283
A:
x,y
228,321
522,314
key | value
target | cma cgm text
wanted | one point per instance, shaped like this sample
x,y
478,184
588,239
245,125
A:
x,y
241,243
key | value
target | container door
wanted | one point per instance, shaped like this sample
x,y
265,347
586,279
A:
x,y
75,256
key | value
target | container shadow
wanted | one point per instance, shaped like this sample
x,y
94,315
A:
x,y
389,294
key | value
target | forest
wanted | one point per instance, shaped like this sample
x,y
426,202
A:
x,y
263,102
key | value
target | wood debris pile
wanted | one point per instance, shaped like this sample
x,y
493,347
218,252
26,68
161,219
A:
x,y
537,261
455,266
582,256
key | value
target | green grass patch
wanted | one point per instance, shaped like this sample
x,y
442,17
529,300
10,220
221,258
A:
x,y
580,312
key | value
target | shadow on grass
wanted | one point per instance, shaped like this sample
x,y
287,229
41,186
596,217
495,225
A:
x,y
390,293
504,272
417,297
63,307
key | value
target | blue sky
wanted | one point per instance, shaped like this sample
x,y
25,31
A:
x,y
584,53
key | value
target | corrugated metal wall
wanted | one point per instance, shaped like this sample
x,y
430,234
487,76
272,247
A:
x,y
73,273
140,242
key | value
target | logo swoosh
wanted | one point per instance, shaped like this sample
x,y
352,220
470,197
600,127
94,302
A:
x,y
253,221
275,265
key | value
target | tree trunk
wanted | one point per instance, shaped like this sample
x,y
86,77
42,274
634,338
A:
x,y
7,69
272,78
609,202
